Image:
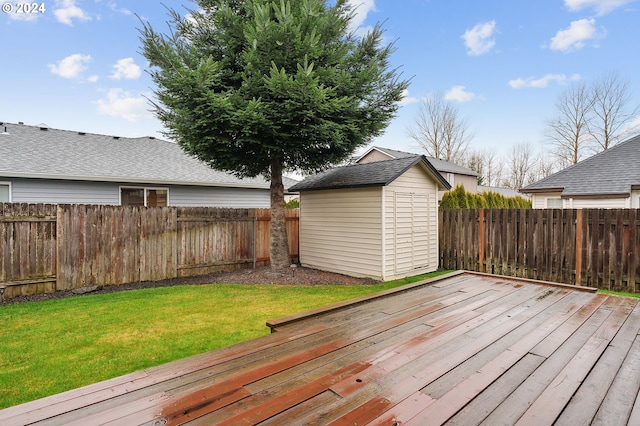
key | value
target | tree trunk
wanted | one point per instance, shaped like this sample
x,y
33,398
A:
x,y
279,255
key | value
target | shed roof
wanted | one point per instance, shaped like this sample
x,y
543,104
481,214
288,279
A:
x,y
609,173
379,173
47,153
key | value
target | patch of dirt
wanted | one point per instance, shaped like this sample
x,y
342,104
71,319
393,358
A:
x,y
262,275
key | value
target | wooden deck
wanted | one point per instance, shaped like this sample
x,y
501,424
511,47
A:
x,y
465,349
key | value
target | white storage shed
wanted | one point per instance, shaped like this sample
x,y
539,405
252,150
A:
x,y
377,220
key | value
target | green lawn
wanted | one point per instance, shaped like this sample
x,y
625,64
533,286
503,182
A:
x,y
52,346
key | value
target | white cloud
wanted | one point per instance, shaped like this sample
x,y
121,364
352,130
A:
x,y
406,99
574,37
541,83
459,94
125,68
70,67
113,6
479,39
66,11
361,9
601,7
120,103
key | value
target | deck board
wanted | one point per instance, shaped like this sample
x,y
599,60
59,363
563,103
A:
x,y
462,349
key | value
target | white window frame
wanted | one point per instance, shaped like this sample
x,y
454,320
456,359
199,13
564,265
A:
x,y
145,190
554,199
8,184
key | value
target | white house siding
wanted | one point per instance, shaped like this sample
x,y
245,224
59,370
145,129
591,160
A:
x,y
411,225
599,203
64,192
88,192
203,196
340,231
539,201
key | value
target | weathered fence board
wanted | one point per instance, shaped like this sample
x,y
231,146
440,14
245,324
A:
x,y
591,247
27,248
44,248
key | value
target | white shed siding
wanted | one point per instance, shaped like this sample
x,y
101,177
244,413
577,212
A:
x,y
340,231
411,225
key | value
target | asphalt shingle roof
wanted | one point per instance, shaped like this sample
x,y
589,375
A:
x,y
610,172
41,152
379,173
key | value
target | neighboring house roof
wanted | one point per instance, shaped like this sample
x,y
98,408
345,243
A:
x,y
507,192
614,172
379,173
46,153
440,165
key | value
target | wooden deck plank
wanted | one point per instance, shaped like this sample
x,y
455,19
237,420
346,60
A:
x,y
550,403
460,395
412,366
620,359
571,301
491,397
621,396
582,327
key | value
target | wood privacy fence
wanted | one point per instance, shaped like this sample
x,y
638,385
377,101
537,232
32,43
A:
x,y
590,247
46,247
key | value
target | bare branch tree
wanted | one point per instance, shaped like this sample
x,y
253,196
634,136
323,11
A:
x,y
486,163
568,131
440,130
611,114
522,166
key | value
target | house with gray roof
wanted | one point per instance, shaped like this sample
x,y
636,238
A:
x,y
39,164
455,174
377,219
610,179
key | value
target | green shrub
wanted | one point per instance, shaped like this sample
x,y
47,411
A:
x,y
458,198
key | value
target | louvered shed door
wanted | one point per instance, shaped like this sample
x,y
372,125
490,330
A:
x,y
412,243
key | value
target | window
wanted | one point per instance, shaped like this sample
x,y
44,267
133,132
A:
x,y
554,203
451,179
5,192
150,197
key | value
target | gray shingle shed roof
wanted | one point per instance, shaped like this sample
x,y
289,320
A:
x,y
46,153
379,173
610,173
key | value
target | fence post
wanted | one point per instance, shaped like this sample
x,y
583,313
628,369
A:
x,y
578,246
481,238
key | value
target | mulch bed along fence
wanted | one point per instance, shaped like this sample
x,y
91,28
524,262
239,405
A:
x,y
46,247
588,247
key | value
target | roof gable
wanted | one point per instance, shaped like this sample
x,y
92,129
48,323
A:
x,y
379,173
442,166
42,152
611,172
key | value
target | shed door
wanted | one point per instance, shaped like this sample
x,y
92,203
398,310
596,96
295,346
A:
x,y
412,242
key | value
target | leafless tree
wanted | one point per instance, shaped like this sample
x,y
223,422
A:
x,y
568,130
487,164
440,130
611,111
522,161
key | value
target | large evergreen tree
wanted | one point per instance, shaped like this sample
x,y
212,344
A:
x,y
258,87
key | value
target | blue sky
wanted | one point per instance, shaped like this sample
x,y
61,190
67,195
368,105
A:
x,y
76,64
